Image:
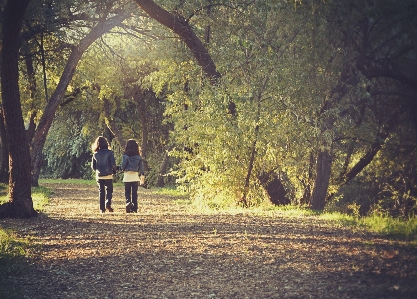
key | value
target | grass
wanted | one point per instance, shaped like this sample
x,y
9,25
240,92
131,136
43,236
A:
x,y
74,181
40,196
393,227
13,254
384,225
14,250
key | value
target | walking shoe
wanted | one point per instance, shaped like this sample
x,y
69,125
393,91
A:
x,y
129,207
109,208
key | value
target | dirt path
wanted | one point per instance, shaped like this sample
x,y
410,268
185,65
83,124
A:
x,y
165,251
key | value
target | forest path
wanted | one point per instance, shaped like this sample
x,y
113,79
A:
x,y
168,251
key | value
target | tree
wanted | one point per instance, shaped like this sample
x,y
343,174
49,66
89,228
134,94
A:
x,y
374,68
20,205
104,24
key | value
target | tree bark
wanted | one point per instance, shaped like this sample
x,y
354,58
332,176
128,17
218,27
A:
x,y
305,200
163,168
273,186
4,162
111,124
20,204
49,113
142,111
32,91
374,149
321,184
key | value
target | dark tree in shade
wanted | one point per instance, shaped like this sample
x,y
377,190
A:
x,y
20,204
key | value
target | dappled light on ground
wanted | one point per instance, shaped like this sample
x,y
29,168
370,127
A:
x,y
168,250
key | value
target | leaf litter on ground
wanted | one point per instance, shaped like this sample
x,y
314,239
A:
x,y
168,250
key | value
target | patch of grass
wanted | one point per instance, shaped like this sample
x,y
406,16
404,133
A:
x,y
11,247
13,251
392,227
40,196
385,225
171,192
68,181
76,182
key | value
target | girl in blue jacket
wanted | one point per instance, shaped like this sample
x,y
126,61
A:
x,y
132,167
104,164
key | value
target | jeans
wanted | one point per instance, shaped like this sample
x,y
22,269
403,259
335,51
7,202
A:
x,y
131,194
105,189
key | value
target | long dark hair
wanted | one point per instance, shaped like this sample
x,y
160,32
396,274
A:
x,y
132,148
100,143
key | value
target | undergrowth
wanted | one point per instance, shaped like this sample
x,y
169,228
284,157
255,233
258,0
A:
x,y
14,251
384,225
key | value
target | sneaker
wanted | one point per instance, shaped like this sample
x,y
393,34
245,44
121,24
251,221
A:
x,y
102,211
109,208
129,207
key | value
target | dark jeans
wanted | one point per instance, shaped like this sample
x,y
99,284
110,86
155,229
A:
x,y
105,189
131,194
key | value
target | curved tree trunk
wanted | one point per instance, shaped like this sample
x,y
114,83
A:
x,y
45,122
111,124
180,26
20,204
321,184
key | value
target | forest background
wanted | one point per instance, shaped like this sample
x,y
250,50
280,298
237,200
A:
x,y
236,102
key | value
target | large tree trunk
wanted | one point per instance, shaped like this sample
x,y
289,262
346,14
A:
x,y
20,204
305,200
32,92
4,155
273,186
49,113
321,183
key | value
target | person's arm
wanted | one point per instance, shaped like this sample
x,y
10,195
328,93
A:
x,y
93,163
112,162
124,163
141,170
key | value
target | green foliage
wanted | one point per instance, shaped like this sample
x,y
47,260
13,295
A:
x,y
292,69
67,148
